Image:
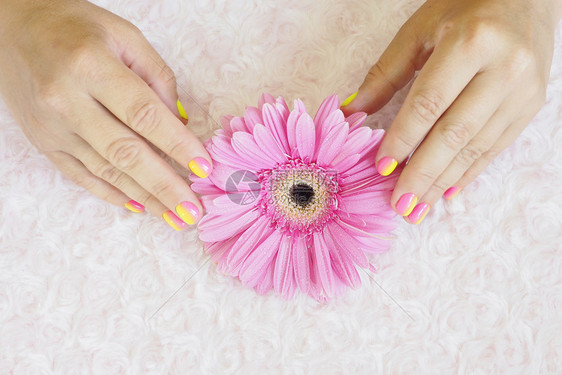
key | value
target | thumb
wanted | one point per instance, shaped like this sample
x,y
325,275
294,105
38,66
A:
x,y
394,69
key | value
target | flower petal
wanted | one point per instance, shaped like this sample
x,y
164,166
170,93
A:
x,y
356,120
348,245
283,270
329,105
364,203
306,141
275,124
268,144
342,166
219,228
265,98
300,255
332,144
282,108
299,106
247,148
343,267
245,244
292,132
333,120
252,116
237,124
225,122
259,259
321,259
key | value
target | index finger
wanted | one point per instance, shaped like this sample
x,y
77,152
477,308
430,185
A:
x,y
444,76
132,101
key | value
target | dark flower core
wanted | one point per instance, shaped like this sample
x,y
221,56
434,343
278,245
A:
x,y
302,194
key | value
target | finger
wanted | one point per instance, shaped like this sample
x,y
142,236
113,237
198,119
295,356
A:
x,y
139,55
505,140
74,170
444,76
481,145
130,154
101,168
129,98
393,70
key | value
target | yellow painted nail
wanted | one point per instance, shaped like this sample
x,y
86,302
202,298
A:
x,y
188,212
386,166
181,110
134,206
174,221
350,99
200,167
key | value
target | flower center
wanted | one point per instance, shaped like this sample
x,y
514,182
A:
x,y
302,194
298,197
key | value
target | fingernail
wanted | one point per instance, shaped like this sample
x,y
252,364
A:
x,y
200,167
181,110
451,192
386,166
188,212
174,221
406,204
349,99
134,206
419,213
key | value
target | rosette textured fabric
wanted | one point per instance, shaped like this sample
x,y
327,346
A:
x,y
295,202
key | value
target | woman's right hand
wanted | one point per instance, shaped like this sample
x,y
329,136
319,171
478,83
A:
x,y
92,94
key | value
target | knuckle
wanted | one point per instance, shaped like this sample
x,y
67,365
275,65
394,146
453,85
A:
x,y
425,176
470,154
492,153
455,135
53,98
439,186
108,173
124,153
482,33
144,118
521,59
167,75
427,105
161,188
84,180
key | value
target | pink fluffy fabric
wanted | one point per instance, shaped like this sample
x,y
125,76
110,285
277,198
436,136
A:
x,y
476,288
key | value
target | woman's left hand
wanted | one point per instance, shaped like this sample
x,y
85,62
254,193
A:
x,y
484,66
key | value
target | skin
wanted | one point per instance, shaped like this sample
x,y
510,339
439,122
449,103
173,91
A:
x,y
483,69
91,93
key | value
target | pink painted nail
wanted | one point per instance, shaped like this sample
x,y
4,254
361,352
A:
x,y
174,221
451,192
200,167
418,213
386,166
406,204
188,212
134,206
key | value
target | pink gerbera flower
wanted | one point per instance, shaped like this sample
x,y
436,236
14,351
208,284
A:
x,y
294,202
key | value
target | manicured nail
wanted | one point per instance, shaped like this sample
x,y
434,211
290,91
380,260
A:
x,y
419,212
181,110
406,204
451,192
349,99
188,212
200,167
134,206
386,166
174,221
